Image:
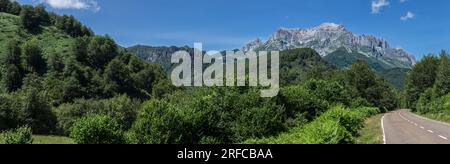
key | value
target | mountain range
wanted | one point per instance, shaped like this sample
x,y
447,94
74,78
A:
x,y
333,42
333,39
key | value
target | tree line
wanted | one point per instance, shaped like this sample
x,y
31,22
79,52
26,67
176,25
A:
x,y
33,18
428,85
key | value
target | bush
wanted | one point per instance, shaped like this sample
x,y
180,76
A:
x,y
18,136
424,101
352,121
122,108
298,99
360,102
336,126
316,132
259,122
158,123
97,129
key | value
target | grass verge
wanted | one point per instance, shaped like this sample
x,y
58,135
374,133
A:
x,y
436,116
372,132
40,139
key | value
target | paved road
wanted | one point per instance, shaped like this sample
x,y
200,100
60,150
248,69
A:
x,y
403,127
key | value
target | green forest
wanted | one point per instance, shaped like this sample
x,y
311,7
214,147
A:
x,y
58,78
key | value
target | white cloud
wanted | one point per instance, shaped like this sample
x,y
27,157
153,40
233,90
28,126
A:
x,y
378,4
403,1
409,15
73,4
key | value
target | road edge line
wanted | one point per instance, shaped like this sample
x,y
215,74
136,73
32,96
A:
x,y
424,118
382,127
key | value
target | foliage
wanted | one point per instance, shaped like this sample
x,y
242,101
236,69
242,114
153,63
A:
x,y
32,58
158,123
442,84
371,87
337,126
97,129
301,64
421,77
8,6
17,136
122,108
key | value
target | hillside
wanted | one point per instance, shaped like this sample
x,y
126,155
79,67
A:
x,y
51,39
49,61
344,59
159,55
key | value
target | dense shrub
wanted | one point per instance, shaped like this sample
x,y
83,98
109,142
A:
x,y
259,122
18,136
208,116
158,123
336,126
316,132
368,85
97,129
421,77
122,108
352,121
298,99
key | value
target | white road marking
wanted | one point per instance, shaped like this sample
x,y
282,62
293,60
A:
x,y
384,132
439,122
445,138
430,131
422,127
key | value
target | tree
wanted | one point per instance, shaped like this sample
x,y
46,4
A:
x,y
55,63
29,19
42,15
442,85
17,136
117,78
361,76
4,5
13,54
100,51
80,49
371,87
15,8
8,6
158,123
12,74
97,129
32,59
11,78
36,110
421,77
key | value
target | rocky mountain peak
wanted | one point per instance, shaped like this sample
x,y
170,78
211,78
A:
x,y
329,37
331,27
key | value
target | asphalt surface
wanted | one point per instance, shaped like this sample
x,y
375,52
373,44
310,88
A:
x,y
404,127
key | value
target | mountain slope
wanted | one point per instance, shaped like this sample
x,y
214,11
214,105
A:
x,y
51,39
160,55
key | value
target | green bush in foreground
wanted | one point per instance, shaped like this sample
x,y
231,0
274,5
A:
x,y
97,129
336,126
18,136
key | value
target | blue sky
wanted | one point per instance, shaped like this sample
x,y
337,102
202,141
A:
x,y
418,26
